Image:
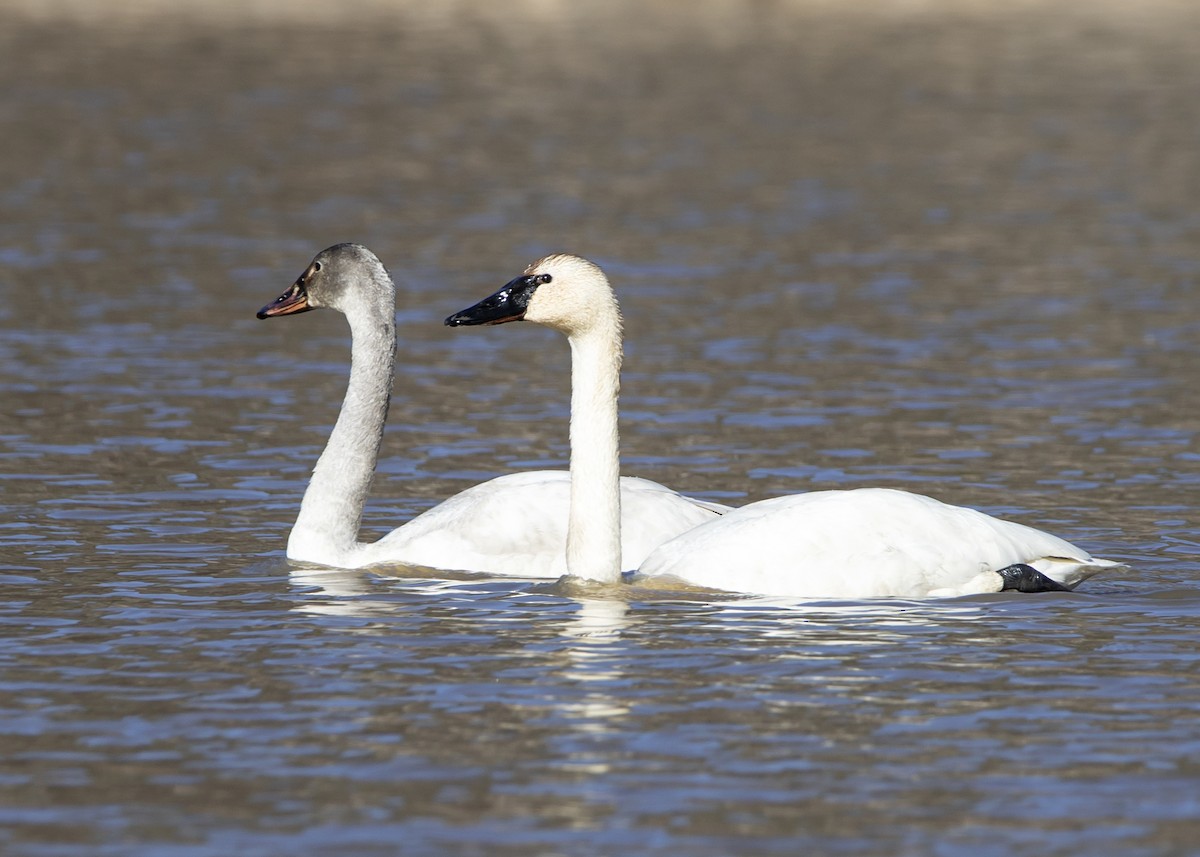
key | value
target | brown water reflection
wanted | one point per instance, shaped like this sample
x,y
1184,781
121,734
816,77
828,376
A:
x,y
941,246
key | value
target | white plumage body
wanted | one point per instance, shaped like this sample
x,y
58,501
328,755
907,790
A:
x,y
862,543
517,525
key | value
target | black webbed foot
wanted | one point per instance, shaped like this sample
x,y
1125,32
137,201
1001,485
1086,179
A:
x,y
1026,578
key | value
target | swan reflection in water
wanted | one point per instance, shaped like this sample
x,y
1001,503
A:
x,y
586,665
581,648
382,592
603,612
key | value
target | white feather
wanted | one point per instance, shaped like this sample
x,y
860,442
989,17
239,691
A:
x,y
862,543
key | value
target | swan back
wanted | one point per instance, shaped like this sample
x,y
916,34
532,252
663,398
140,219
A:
x,y
860,543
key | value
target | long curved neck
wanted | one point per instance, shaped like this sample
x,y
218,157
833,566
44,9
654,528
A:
x,y
326,531
594,528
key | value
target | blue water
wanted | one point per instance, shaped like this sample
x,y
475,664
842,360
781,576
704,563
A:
x,y
935,249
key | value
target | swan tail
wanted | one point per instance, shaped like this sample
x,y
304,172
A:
x,y
1068,572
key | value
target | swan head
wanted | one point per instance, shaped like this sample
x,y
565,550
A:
x,y
567,293
341,277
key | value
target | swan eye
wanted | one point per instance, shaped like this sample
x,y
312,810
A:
x,y
316,267
542,279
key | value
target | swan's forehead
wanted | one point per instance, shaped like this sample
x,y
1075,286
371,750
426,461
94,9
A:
x,y
346,275
564,266
348,255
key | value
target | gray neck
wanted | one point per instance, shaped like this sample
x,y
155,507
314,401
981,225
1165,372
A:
x,y
326,530
594,529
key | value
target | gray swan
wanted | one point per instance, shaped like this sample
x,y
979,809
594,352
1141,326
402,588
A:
x,y
512,525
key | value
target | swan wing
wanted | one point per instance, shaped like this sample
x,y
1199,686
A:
x,y
652,513
651,490
862,543
517,525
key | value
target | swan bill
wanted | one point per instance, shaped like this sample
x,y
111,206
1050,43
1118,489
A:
x,y
292,301
508,304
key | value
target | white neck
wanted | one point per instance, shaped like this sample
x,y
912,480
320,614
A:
x,y
326,531
594,528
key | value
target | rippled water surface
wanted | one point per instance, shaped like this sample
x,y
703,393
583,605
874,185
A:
x,y
937,247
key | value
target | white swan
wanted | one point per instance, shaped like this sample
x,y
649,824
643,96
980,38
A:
x,y
511,525
837,544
